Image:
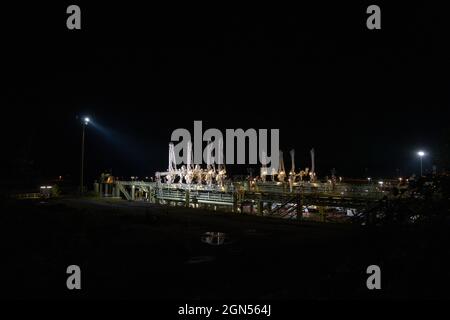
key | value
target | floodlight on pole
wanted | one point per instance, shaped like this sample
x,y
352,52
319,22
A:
x,y
421,154
86,121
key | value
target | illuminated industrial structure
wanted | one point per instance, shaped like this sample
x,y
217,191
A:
x,y
291,195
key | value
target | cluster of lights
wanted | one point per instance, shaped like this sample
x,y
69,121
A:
x,y
46,187
420,153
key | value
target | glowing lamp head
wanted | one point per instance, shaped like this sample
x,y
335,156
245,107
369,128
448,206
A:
x,y
420,153
86,120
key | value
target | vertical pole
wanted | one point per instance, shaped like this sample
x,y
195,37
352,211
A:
x,y
322,213
299,207
82,161
421,174
187,199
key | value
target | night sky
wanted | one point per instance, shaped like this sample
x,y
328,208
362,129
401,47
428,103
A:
x,y
365,100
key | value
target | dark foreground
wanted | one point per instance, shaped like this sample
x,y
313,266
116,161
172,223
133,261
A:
x,y
132,250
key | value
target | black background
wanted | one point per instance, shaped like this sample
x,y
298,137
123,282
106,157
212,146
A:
x,y
366,100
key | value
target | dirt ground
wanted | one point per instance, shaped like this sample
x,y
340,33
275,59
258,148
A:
x,y
140,250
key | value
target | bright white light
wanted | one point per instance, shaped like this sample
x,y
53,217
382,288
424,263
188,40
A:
x,y
420,153
380,182
86,120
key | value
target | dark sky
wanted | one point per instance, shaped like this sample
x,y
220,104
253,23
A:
x,y
365,100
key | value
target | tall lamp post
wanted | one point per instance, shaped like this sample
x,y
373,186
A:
x,y
421,154
85,123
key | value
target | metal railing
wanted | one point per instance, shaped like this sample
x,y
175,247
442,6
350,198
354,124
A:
x,y
269,190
